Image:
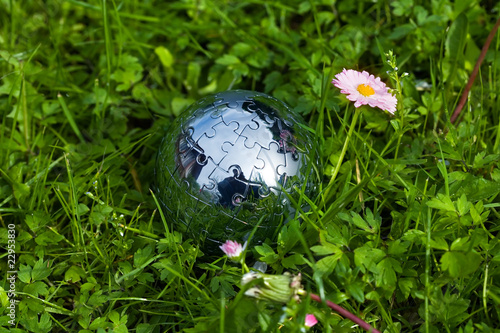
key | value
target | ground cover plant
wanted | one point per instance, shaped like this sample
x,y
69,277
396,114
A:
x,y
403,234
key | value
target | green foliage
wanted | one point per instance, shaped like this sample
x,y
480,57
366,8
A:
x,y
406,237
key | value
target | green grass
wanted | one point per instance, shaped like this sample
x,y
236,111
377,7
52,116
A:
x,y
406,236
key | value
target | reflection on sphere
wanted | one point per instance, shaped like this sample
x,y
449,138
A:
x,y
231,160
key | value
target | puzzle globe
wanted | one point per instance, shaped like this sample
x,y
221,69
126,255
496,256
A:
x,y
233,167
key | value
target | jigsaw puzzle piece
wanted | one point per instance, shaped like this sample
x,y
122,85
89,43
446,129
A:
x,y
218,111
240,117
270,158
184,144
293,163
236,107
272,114
283,121
290,168
232,187
218,175
288,143
187,152
239,152
226,133
271,119
197,127
206,167
261,134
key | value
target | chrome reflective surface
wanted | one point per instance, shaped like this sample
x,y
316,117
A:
x,y
225,164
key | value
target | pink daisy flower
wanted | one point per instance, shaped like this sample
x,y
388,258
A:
x,y
232,249
363,88
310,320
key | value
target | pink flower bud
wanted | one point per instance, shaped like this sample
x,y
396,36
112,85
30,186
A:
x,y
310,320
232,249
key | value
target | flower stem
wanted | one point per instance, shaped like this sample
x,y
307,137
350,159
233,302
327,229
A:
x,y
342,154
473,75
400,113
343,312
244,267
400,135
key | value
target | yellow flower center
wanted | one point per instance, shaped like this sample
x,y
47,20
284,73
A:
x,y
365,90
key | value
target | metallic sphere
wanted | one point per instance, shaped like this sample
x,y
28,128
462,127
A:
x,y
230,166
